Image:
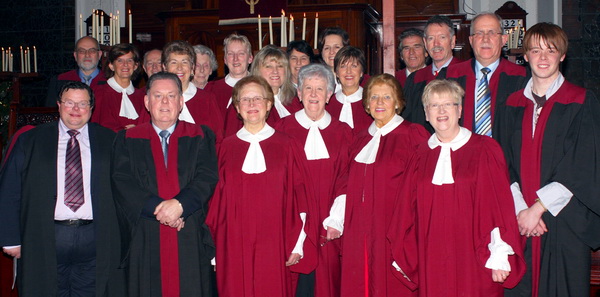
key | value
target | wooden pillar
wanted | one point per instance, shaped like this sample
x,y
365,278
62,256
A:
x,y
389,38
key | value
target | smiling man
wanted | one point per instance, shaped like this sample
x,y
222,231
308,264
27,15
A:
x,y
164,173
412,53
87,54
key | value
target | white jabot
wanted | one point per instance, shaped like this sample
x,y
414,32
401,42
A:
x,y
346,101
443,168
230,81
281,110
255,159
127,110
368,153
185,114
314,146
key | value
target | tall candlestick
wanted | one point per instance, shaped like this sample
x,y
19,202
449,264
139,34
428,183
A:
x,y
34,59
22,60
270,30
291,36
316,29
304,27
130,27
259,33
282,35
101,28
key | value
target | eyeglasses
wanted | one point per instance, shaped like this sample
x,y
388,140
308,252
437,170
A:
x,y
490,34
91,51
80,105
444,106
248,100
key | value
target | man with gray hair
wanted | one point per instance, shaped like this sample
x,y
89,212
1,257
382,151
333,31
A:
x,y
412,53
238,56
152,63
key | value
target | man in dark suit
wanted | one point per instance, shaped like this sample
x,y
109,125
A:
x,y
87,54
56,205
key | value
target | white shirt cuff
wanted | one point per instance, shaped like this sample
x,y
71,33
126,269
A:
x,y
518,198
11,247
395,265
301,238
213,261
499,252
336,214
555,197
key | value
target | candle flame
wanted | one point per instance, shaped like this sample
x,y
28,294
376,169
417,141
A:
x,y
269,18
291,17
305,15
130,11
283,12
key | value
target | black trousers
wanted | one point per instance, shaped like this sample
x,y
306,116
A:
x,y
76,260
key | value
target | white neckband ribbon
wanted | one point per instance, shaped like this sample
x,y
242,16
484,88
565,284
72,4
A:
x,y
127,110
254,162
443,168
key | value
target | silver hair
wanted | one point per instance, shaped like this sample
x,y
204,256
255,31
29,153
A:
x,y
317,70
205,50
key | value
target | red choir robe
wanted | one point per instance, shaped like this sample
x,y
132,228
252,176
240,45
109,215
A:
x,y
234,124
108,105
222,92
255,222
326,175
401,76
440,233
370,200
57,82
159,260
362,120
565,149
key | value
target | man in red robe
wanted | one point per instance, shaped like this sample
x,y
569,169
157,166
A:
x,y
412,53
164,173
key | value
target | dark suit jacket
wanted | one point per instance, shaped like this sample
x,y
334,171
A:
x,y
27,203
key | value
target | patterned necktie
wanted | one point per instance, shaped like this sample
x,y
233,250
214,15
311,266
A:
x,y
73,174
164,135
483,103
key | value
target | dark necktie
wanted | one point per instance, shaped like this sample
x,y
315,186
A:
x,y
483,104
164,135
73,174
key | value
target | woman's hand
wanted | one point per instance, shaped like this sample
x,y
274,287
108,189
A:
x,y
293,259
499,276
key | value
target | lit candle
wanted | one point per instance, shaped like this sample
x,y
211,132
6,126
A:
x,y
3,60
110,30
270,30
12,58
22,60
316,29
304,27
291,36
118,21
34,59
27,60
282,36
101,40
130,27
259,33
80,25
94,23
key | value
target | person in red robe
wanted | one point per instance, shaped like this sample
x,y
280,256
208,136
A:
x,y
200,106
550,135
238,56
346,104
119,105
270,63
325,141
453,231
259,213
163,175
379,156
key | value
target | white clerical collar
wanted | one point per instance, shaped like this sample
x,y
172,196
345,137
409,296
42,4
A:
x,y
281,110
354,97
443,168
368,153
127,110
185,114
254,162
553,88
231,81
314,145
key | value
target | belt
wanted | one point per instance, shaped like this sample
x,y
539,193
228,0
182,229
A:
x,y
76,223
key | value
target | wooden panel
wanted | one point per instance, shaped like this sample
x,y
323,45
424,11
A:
x,y
426,7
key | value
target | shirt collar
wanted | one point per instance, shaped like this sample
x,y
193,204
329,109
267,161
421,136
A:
x,y
305,122
232,81
354,97
435,69
551,90
170,129
190,92
387,128
115,86
93,75
492,67
62,129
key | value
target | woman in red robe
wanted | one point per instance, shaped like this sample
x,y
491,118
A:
x,y
325,141
379,156
259,211
118,104
453,231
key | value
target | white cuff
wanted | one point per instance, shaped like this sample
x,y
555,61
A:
x,y
301,237
400,270
499,252
8,247
555,197
518,198
213,261
336,214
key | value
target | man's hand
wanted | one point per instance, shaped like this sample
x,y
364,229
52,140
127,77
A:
x,y
13,252
530,219
168,212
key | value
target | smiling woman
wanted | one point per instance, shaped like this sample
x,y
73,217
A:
x,y
118,104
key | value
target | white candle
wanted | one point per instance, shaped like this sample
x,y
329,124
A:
x,y
22,60
118,40
259,33
80,25
130,27
304,27
316,29
94,23
34,59
27,60
291,36
270,30
101,40
3,60
282,34
11,62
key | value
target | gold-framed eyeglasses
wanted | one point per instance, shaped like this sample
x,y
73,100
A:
x,y
80,105
248,100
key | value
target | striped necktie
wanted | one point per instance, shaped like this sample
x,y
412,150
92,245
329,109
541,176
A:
x,y
483,103
73,174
